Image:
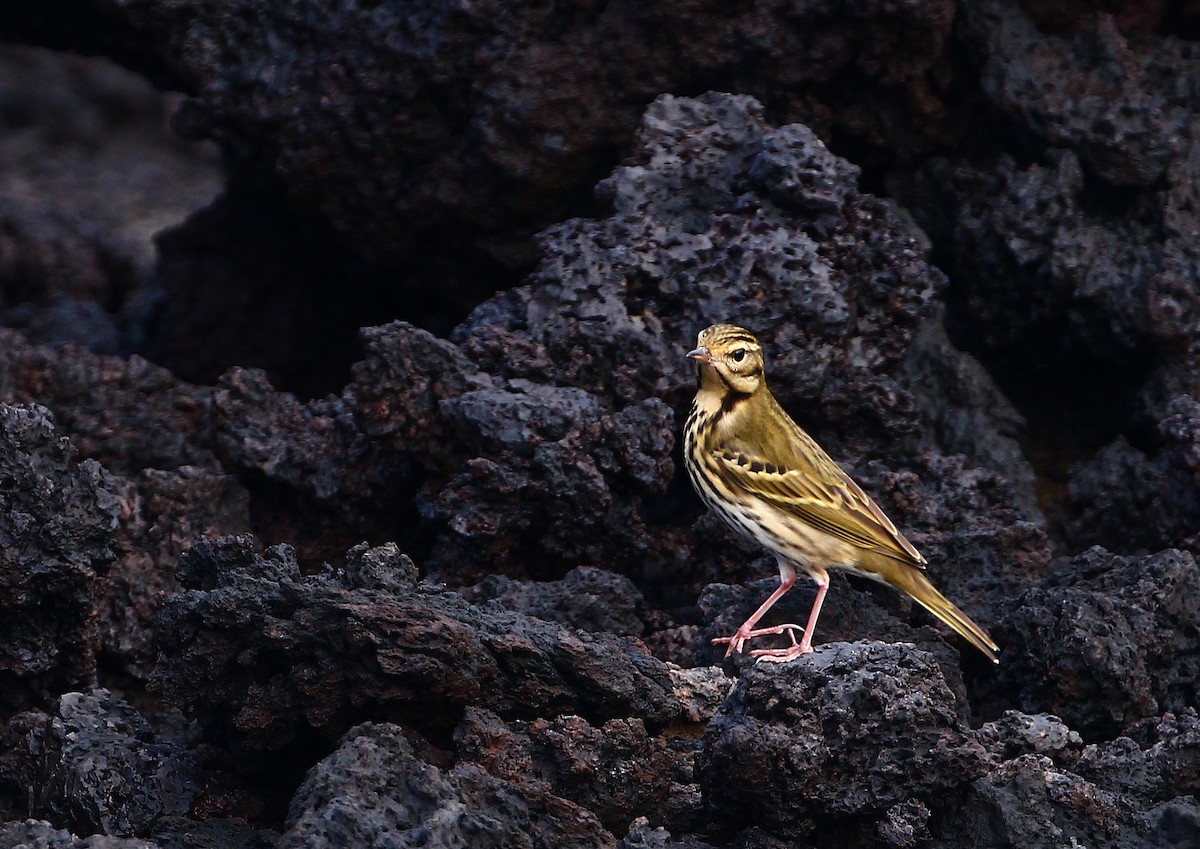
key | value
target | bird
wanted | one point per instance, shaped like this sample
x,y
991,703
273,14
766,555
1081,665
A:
x,y
770,481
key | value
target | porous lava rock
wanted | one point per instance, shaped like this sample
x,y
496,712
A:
x,y
58,517
586,597
704,229
1102,641
1029,802
844,734
94,765
89,170
264,657
1074,258
375,789
476,125
616,770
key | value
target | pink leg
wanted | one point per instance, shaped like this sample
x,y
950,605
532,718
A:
x,y
805,645
787,577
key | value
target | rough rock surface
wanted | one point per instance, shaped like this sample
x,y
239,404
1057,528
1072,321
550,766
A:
x,y
1029,802
851,730
966,235
412,153
128,414
284,657
57,521
1083,240
1102,641
704,228
88,172
588,598
39,833
616,771
163,514
343,802
466,119
95,765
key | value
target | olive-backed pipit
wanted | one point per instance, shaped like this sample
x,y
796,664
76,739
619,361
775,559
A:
x,y
769,480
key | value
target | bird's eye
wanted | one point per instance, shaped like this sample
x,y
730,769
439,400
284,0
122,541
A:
x,y
738,355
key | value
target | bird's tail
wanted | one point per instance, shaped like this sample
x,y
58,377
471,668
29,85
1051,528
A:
x,y
917,585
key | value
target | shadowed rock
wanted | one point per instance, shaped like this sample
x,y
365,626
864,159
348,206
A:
x,y
851,730
616,771
95,767
1074,260
1028,802
125,413
588,598
45,836
89,171
163,514
375,790
1103,641
1158,760
702,232
264,657
57,518
474,129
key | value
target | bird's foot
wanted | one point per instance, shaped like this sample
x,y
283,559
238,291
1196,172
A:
x,y
784,655
781,655
743,633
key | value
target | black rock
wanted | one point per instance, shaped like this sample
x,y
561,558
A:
x,y
1103,641
849,731
264,657
94,766
57,522
373,789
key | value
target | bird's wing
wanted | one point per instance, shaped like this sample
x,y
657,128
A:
x,y
824,497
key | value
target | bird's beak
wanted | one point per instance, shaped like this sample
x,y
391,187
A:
x,y
700,355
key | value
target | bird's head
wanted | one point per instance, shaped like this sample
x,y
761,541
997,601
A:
x,y
730,358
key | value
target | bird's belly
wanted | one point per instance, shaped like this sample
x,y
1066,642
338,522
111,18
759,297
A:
x,y
783,535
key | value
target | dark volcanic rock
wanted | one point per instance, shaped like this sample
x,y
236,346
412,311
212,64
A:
x,y
410,153
374,790
1017,733
1159,759
721,217
967,522
57,518
616,771
849,730
568,460
643,836
586,597
1131,501
473,126
854,611
1102,641
41,834
967,413
698,236
162,514
264,657
1028,802
88,172
95,767
1074,259
1118,99
155,433
128,414
246,282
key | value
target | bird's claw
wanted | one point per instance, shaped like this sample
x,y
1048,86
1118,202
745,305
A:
x,y
738,640
781,655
